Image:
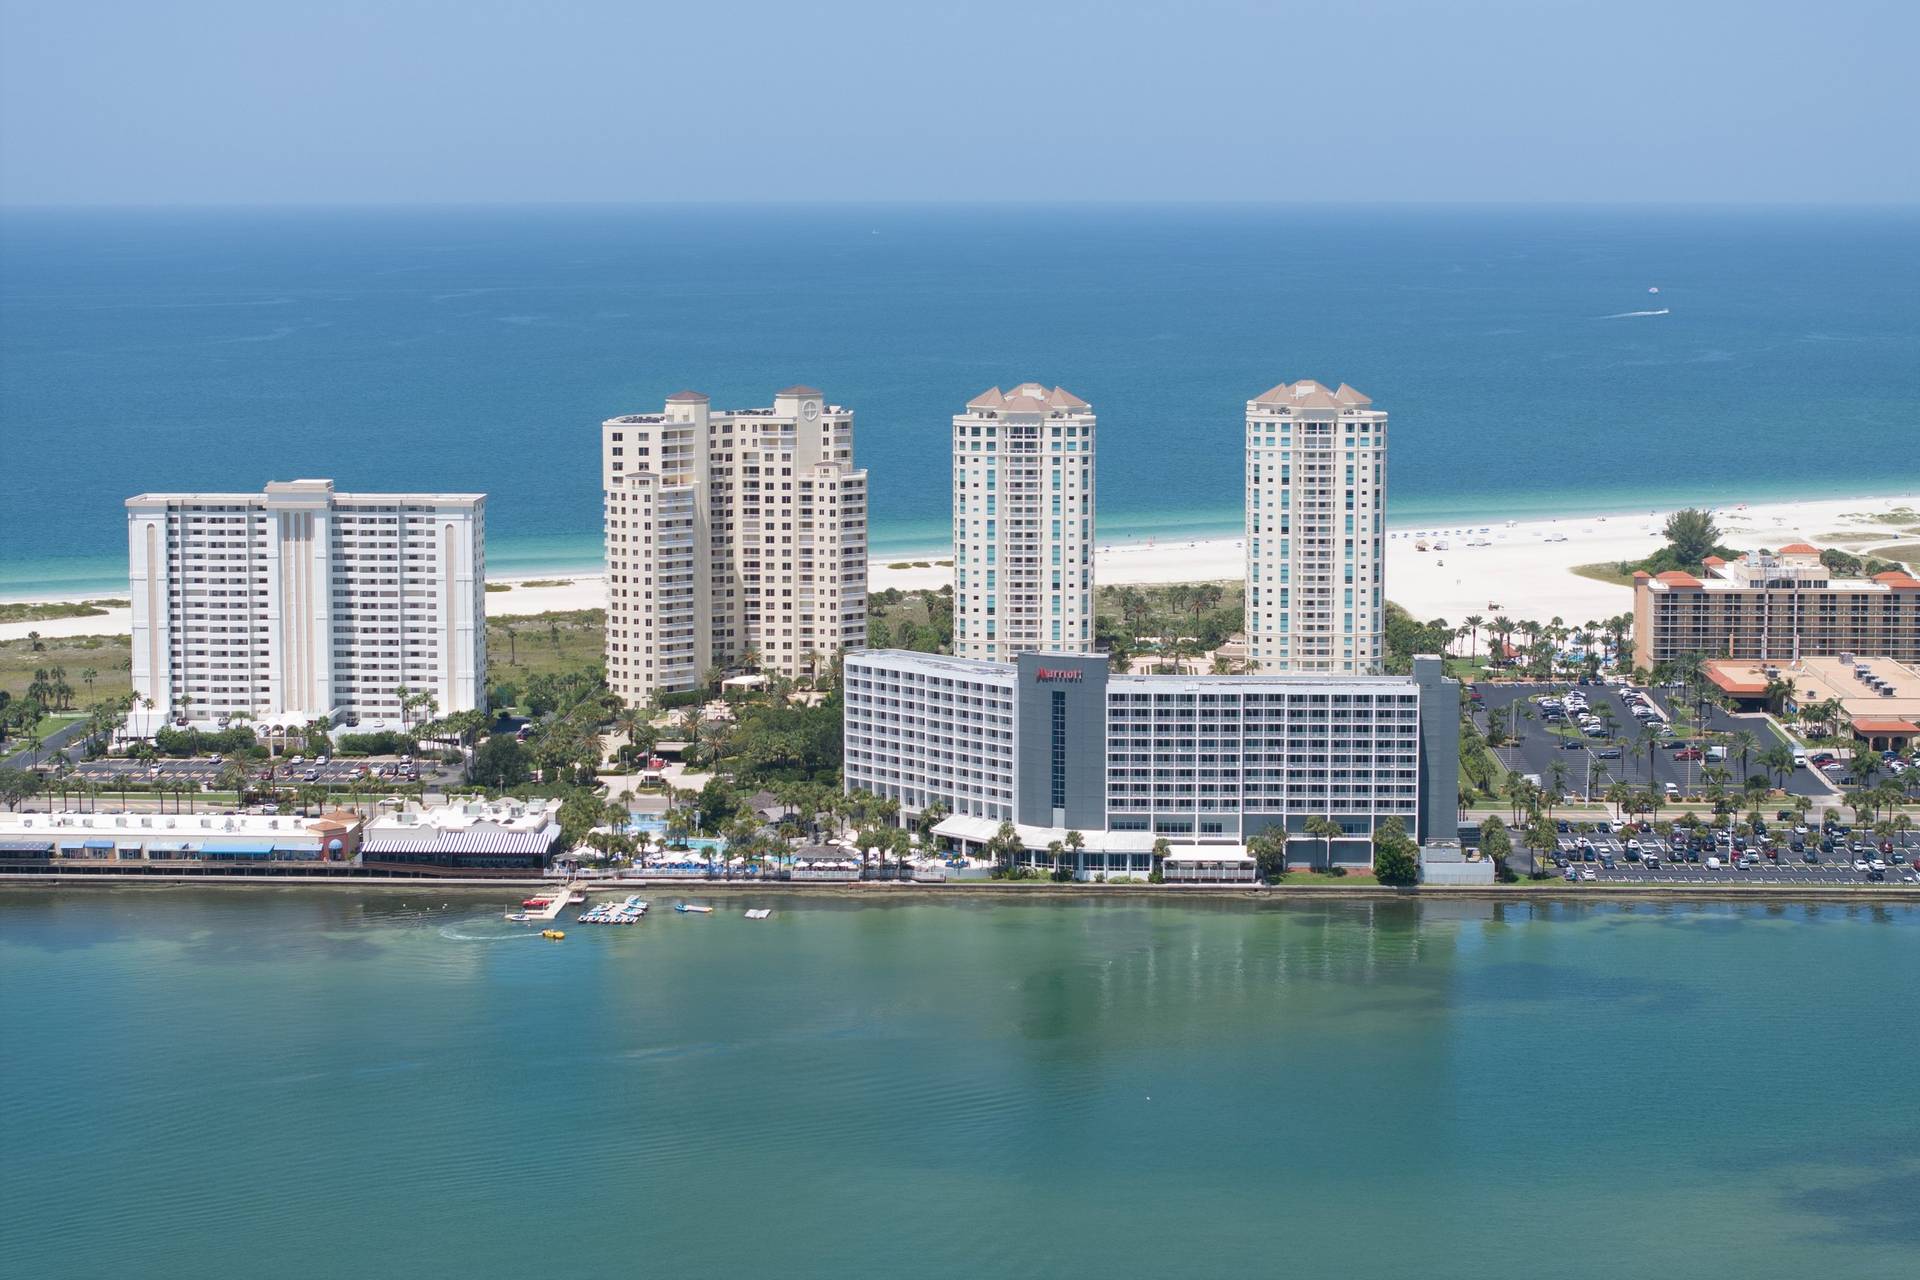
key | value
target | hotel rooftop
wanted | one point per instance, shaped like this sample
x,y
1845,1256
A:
x,y
1880,697
1794,566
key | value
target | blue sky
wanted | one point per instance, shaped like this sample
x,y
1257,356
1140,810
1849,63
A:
x,y
454,101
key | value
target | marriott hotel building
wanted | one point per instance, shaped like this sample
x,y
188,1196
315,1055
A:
x,y
1058,742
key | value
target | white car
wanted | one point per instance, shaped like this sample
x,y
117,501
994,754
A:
x,y
1860,864
1713,864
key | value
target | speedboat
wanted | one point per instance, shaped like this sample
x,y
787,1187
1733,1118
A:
x,y
692,910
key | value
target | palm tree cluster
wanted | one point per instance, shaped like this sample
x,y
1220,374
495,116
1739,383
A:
x,y
1169,627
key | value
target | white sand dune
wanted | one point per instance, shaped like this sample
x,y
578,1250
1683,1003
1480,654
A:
x,y
1520,573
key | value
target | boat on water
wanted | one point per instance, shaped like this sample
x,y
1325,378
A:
x,y
553,935
759,913
692,910
626,912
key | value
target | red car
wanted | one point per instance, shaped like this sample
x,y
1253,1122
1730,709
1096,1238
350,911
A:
x,y
1689,753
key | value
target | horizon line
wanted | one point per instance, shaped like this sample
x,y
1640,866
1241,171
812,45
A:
x,y
905,202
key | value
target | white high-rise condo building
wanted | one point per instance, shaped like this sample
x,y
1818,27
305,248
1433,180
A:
x,y
731,533
1023,524
301,603
1316,530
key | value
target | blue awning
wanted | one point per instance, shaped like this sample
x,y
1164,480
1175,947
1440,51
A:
x,y
168,846
98,844
26,846
238,851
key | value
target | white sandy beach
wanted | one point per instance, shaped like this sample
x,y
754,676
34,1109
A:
x,y
1523,572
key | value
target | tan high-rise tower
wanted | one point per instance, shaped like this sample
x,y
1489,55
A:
x,y
1316,530
1023,524
731,533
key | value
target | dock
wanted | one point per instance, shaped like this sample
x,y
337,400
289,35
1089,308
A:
x,y
557,900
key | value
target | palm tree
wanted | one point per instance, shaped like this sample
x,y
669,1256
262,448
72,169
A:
x,y
1075,842
1473,624
1778,760
1744,742
1326,829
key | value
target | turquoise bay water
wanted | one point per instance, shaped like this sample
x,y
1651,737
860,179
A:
x,y
481,348
299,1083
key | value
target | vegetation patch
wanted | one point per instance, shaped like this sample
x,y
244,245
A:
x,y
46,612
1609,572
1691,536
498,586
548,582
543,643
93,667
1170,627
1905,552
918,620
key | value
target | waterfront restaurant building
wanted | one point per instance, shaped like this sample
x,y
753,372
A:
x,y
1054,743
119,842
506,837
300,603
1775,607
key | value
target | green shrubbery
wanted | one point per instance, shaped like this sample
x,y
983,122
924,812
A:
x,y
386,743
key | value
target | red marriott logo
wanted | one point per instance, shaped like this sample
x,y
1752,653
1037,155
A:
x,y
1051,674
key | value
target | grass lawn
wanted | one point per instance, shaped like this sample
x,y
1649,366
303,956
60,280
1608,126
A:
x,y
106,656
1905,553
24,612
554,642
1607,571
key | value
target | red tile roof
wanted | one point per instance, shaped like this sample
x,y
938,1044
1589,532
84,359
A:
x,y
1799,549
1675,578
1885,726
1713,562
1741,682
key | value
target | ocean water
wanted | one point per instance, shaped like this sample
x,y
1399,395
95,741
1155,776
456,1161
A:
x,y
479,349
314,1083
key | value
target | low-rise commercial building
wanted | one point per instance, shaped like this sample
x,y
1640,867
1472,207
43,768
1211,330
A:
x,y
1777,607
1879,699
122,842
1058,743
507,837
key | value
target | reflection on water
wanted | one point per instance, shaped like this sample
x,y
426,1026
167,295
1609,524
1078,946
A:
x,y
951,1087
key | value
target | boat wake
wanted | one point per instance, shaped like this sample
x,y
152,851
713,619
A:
x,y
1628,315
453,935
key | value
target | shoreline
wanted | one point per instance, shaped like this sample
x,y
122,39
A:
x,y
1532,891
1525,571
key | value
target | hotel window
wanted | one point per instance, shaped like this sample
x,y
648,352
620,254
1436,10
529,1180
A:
x,y
1059,726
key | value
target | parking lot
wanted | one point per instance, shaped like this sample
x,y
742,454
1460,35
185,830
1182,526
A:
x,y
1590,764
1589,863
207,771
